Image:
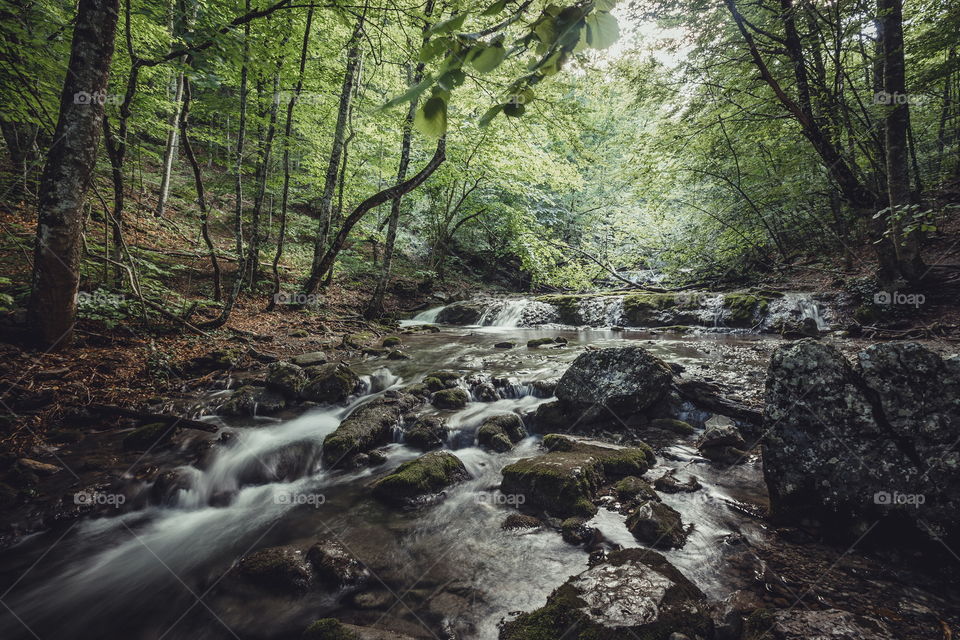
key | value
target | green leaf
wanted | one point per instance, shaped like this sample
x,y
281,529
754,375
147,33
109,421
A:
x,y
452,79
488,59
491,113
495,8
410,94
431,118
514,109
449,25
433,48
604,5
602,30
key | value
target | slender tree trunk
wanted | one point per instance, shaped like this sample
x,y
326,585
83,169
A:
x,y
330,256
906,263
21,141
375,307
170,149
201,193
66,176
241,136
287,134
330,182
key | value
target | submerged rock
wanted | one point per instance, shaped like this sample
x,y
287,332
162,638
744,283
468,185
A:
x,y
368,427
282,569
634,593
418,480
657,525
565,481
501,432
334,566
847,447
624,380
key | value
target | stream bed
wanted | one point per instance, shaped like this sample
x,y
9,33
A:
x,y
444,571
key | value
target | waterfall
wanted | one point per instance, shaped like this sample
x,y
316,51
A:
x,y
427,317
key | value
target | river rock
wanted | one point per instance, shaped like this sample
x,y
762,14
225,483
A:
x,y
455,398
37,467
501,432
849,446
623,380
332,382
250,401
334,566
657,525
830,624
464,312
428,432
723,443
286,378
634,488
311,359
634,593
368,427
284,569
565,481
521,521
419,480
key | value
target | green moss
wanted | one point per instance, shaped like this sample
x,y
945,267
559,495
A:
x,y
557,442
428,474
742,309
448,378
450,399
678,427
433,383
633,487
328,629
391,341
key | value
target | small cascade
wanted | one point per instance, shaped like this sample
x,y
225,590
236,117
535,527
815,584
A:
x,y
425,317
602,312
793,309
713,310
517,313
380,380
809,308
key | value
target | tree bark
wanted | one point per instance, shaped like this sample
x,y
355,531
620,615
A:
x,y
333,166
66,176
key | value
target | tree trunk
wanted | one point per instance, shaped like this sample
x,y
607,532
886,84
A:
x,y
66,176
170,149
287,133
330,256
241,135
906,262
336,151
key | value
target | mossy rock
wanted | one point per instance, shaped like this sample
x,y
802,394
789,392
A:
x,y
520,521
564,482
397,354
744,309
433,383
447,378
632,487
147,436
634,595
501,432
368,427
678,427
536,343
250,401
427,433
450,399
391,341
567,306
332,382
286,378
283,569
329,629
299,333
418,479
358,340
657,525
646,309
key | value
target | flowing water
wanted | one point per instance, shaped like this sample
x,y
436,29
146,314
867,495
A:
x,y
448,570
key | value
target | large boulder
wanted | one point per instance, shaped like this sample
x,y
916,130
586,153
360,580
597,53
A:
x,y
368,427
332,382
634,594
565,481
420,480
501,432
465,312
249,400
849,446
623,380
428,432
286,378
334,566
